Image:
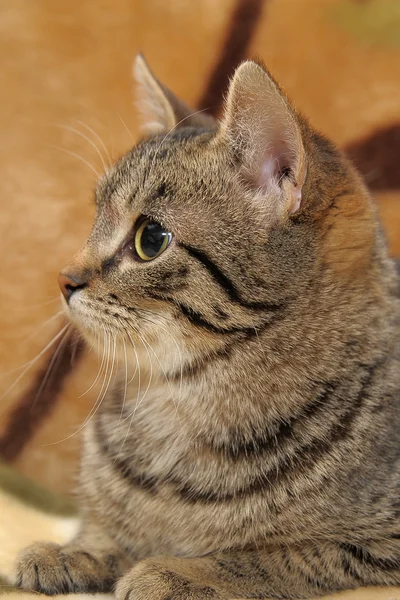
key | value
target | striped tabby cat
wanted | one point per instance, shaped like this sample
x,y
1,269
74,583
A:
x,y
257,454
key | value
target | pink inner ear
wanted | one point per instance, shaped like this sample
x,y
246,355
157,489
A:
x,y
268,171
275,161
274,165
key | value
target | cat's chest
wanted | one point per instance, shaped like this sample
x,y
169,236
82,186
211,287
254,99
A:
x,y
151,442
160,488
139,478
143,429
159,502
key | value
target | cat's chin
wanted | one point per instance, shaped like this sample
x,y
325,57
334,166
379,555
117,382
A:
x,y
90,327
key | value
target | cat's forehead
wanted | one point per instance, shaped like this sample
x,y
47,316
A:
x,y
164,167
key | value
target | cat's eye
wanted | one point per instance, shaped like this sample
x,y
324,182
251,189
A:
x,y
151,239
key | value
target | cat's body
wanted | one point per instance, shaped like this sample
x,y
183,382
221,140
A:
x,y
259,456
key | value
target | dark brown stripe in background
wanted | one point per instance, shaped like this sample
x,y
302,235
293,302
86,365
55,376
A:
x,y
377,156
33,408
234,49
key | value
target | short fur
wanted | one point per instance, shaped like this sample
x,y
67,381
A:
x,y
258,454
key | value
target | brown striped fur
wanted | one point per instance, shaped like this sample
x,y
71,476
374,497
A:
x,y
258,455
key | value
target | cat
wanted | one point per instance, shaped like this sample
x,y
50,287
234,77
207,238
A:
x,y
258,454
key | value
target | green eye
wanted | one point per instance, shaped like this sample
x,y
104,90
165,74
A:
x,y
151,239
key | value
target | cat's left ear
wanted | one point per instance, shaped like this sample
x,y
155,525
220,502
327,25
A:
x,y
161,110
263,129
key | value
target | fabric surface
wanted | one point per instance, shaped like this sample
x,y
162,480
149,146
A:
x,y
29,513
66,100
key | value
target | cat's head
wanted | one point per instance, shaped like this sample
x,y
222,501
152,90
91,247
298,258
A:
x,y
207,231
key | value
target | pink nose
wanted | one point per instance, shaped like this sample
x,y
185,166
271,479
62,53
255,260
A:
x,y
70,284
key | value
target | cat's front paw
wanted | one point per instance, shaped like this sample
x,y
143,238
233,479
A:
x,y
50,569
155,579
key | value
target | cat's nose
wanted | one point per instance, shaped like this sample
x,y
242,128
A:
x,y
70,284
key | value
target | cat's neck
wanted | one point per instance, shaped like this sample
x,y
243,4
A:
x,y
251,384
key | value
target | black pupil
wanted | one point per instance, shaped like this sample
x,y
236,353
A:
x,y
153,237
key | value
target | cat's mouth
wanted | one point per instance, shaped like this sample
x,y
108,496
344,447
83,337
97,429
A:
x,y
145,337
104,315
92,318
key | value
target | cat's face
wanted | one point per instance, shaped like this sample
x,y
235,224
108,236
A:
x,y
174,246
195,239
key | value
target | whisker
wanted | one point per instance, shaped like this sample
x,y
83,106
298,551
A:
x,y
126,127
27,339
170,336
151,372
125,392
34,360
137,367
98,401
126,379
138,402
40,305
76,341
97,376
54,360
98,175
171,130
103,388
98,138
258,340
111,370
144,341
85,137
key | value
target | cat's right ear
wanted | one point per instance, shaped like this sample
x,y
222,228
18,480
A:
x,y
161,110
264,131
